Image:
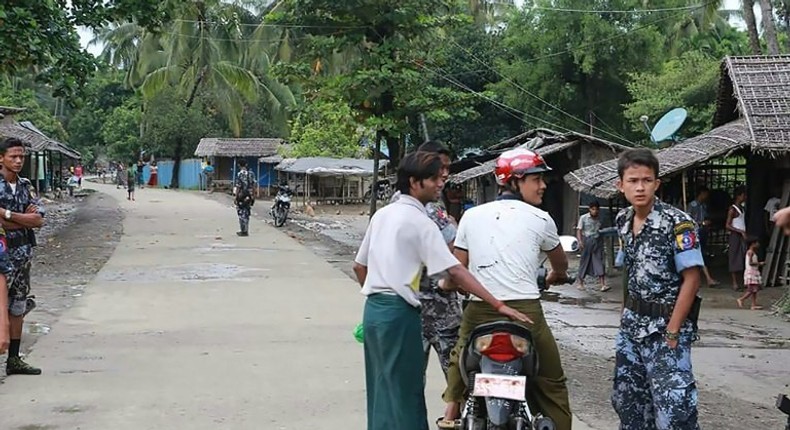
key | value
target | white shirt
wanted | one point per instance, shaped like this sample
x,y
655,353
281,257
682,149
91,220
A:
x,y
772,206
739,222
399,242
505,240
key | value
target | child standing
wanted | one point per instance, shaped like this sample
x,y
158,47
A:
x,y
130,181
751,274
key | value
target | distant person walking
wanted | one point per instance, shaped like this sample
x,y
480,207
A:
x,y
78,172
140,166
131,180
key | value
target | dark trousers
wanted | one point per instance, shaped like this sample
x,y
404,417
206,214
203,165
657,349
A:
x,y
550,390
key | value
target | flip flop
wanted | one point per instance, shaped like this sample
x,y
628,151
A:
x,y
444,424
714,284
605,288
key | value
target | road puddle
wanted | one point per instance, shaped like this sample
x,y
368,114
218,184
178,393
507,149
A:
x,y
36,328
185,272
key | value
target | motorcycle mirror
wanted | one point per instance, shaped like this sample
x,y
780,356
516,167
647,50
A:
x,y
569,243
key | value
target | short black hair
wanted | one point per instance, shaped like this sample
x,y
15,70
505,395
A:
x,y
242,163
419,165
702,189
637,157
10,142
434,146
740,189
594,204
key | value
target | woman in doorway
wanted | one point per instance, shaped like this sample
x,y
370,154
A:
x,y
152,180
736,225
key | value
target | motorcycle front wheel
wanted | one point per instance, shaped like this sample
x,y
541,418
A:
x,y
280,215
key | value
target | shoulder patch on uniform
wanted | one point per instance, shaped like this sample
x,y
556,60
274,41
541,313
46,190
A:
x,y
684,226
686,240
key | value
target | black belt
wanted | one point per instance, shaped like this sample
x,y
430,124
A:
x,y
648,309
17,241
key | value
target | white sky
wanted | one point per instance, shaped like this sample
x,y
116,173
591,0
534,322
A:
x,y
86,35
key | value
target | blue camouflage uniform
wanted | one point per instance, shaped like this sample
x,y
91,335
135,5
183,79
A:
x,y
654,387
440,310
244,184
19,243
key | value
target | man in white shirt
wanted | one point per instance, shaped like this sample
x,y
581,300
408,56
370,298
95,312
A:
x,y
502,242
399,242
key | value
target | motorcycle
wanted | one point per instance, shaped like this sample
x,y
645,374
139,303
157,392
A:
x,y
783,404
498,364
383,191
282,204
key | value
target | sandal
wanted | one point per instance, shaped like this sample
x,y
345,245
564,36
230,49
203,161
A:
x,y
444,424
605,288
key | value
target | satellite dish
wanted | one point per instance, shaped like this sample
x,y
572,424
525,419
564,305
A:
x,y
668,125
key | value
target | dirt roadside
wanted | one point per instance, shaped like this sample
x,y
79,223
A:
x,y
333,234
79,236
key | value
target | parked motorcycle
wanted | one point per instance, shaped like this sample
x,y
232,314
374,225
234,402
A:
x,y
282,204
383,191
498,365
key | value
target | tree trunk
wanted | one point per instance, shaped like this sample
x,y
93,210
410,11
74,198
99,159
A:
x,y
751,26
769,27
176,166
374,189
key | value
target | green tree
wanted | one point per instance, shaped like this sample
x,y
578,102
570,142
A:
x,y
203,52
120,131
326,129
42,35
384,43
41,118
173,129
690,81
568,70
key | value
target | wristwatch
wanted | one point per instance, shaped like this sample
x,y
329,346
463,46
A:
x,y
7,214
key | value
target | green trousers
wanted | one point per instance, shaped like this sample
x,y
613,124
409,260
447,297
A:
x,y
394,364
549,392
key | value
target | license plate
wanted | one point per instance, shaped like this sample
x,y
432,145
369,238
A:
x,y
500,386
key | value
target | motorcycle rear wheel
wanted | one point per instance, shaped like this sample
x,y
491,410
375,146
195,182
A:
x,y
543,423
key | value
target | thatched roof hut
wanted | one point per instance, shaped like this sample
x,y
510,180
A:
x,y
757,89
541,140
31,136
599,179
239,147
753,112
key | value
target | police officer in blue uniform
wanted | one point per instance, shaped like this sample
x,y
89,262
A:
x,y
654,387
21,212
244,200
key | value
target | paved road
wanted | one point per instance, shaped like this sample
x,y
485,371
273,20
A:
x,y
191,327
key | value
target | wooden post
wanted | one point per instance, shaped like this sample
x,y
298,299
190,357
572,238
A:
x,y
683,179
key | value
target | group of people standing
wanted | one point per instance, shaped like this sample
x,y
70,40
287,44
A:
x,y
414,261
131,176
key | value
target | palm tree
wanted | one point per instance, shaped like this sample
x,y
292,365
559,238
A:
x,y
769,27
712,9
204,50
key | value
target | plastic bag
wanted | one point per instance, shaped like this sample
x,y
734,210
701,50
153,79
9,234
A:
x,y
359,333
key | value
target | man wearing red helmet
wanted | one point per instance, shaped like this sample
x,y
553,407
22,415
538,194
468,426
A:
x,y
501,242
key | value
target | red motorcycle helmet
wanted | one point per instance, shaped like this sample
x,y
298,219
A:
x,y
517,163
